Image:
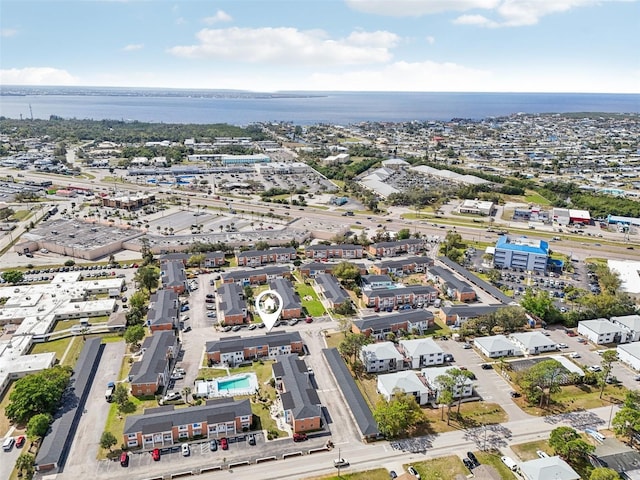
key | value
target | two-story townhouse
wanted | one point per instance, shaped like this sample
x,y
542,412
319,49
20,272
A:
x,y
496,346
601,331
344,251
630,323
422,352
379,326
464,389
291,304
374,282
381,357
151,374
299,399
406,381
232,307
401,267
450,285
390,298
166,425
253,258
235,350
409,246
311,269
173,276
257,276
210,259
163,311
456,315
330,289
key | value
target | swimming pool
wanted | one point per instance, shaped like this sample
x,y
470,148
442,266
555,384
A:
x,y
231,386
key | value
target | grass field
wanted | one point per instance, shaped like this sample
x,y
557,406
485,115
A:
x,y
443,468
527,451
57,346
493,459
314,307
472,415
575,397
534,197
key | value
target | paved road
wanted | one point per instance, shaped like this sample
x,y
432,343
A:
x,y
81,458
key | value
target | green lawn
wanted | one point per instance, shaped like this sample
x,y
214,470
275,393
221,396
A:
x,y
575,397
20,215
314,307
534,197
493,459
334,339
56,346
472,415
442,468
527,451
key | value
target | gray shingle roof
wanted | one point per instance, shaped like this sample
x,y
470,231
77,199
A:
x,y
231,299
271,251
359,408
164,308
283,286
57,442
155,359
376,322
238,275
300,397
480,283
331,288
173,274
215,411
399,243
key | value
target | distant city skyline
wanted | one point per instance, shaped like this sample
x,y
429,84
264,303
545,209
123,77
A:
x,y
582,46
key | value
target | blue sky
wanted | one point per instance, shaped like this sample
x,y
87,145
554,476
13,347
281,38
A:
x,y
343,45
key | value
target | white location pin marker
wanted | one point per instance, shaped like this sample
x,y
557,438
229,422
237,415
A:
x,y
269,306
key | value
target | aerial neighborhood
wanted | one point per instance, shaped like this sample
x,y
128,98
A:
x,y
454,297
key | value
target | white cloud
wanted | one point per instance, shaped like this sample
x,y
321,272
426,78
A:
x,y
404,76
430,40
508,13
36,76
219,17
132,47
290,46
8,32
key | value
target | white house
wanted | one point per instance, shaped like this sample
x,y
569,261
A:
x,y
630,323
431,374
407,381
601,331
496,346
629,353
381,357
548,468
422,352
533,342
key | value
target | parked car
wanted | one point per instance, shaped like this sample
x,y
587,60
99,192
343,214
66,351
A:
x,y
514,394
487,366
299,437
473,458
124,459
186,450
468,463
20,440
466,346
340,462
155,454
413,472
510,463
542,454
595,368
213,445
252,439
393,474
563,345
224,444
574,355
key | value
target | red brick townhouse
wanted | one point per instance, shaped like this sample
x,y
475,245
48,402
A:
x,y
163,311
312,269
232,307
450,285
345,251
299,399
408,246
291,304
458,314
257,276
173,276
379,326
164,426
255,258
149,375
391,298
405,266
235,350
211,259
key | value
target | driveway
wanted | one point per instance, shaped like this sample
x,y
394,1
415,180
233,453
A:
x,y
86,441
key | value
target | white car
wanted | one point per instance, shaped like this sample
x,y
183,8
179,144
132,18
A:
x,y
542,454
574,355
563,345
595,368
186,450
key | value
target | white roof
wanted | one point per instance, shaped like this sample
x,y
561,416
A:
x,y
530,340
632,322
548,468
600,326
420,346
628,270
632,349
432,373
406,381
382,350
495,343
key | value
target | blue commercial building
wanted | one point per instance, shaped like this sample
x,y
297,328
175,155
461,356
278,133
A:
x,y
523,253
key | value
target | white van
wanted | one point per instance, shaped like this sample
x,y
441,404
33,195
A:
x,y
510,463
8,444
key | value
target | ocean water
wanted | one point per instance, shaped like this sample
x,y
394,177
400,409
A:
x,y
308,108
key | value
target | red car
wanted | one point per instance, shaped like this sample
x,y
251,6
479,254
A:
x,y
299,437
124,459
308,319
156,454
224,444
20,441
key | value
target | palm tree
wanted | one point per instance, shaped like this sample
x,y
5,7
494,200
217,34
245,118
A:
x,y
186,391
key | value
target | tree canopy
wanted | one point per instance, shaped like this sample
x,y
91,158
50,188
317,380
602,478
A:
x,y
568,443
38,425
397,415
148,276
545,376
37,393
13,276
627,420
